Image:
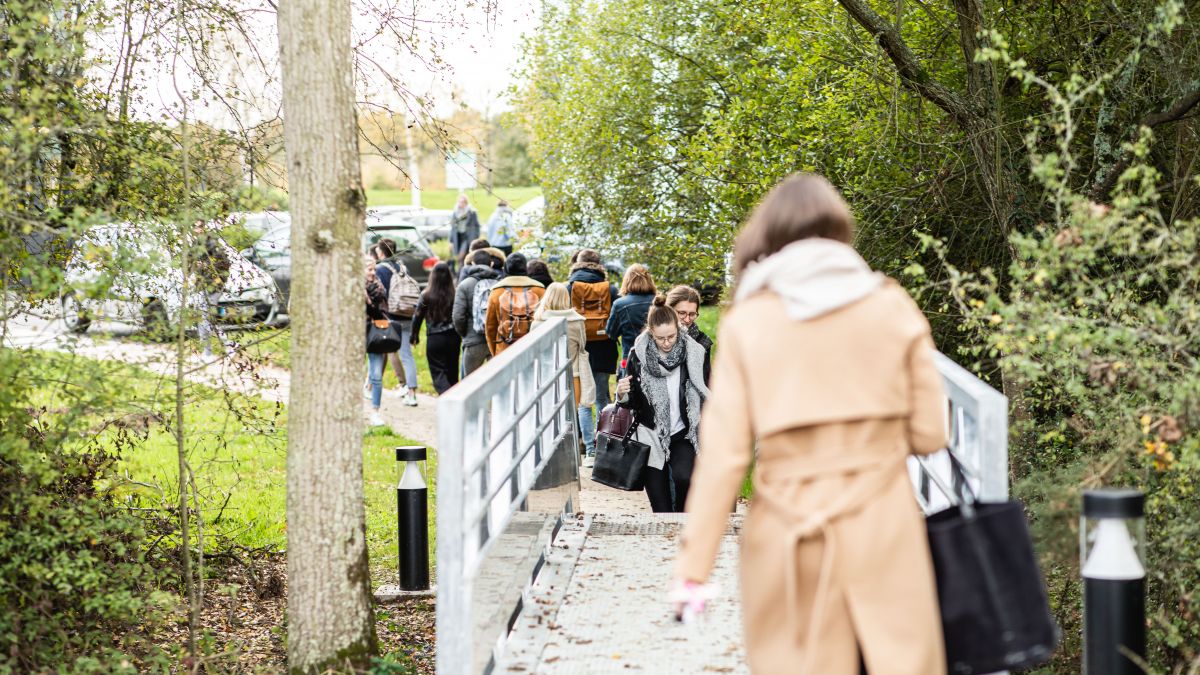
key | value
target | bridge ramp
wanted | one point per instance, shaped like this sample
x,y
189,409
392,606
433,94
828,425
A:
x,y
599,605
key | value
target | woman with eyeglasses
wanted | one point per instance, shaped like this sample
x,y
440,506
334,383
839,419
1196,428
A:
x,y
685,300
664,387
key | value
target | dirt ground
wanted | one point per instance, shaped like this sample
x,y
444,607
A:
x,y
243,616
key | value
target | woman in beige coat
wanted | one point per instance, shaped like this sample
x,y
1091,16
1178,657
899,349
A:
x,y
828,367
557,303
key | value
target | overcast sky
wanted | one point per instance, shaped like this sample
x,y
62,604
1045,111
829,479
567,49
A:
x,y
478,46
484,53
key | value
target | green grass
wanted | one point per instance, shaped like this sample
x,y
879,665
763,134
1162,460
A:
x,y
237,448
483,202
275,346
707,321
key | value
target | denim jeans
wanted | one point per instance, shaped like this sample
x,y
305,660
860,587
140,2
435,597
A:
x,y
409,375
587,429
602,394
375,364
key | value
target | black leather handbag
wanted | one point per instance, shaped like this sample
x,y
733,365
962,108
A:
x,y
382,337
621,461
995,615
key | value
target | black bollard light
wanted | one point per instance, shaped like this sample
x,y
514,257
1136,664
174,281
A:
x,y
1112,544
412,519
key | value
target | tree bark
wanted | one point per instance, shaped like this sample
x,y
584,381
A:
x,y
976,113
330,624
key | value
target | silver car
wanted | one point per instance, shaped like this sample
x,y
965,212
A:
x,y
122,272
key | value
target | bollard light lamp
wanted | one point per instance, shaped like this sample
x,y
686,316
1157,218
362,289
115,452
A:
x,y
412,519
1112,546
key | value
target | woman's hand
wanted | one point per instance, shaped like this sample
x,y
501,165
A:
x,y
689,598
623,386
414,340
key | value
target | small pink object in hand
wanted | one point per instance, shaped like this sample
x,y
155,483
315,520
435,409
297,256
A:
x,y
690,598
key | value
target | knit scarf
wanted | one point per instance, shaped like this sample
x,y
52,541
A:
x,y
669,361
655,368
696,334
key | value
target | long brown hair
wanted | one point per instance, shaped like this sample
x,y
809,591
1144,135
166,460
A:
x,y
661,314
637,280
803,206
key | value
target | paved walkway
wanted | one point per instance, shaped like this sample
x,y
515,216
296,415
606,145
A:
x,y
600,605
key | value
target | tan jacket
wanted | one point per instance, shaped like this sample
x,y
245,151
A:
x,y
576,351
834,554
491,324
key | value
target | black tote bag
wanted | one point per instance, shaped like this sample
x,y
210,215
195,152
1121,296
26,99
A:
x,y
995,615
621,461
382,337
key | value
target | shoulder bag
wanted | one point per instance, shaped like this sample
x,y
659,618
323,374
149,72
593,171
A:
x,y
382,337
621,460
995,615
615,420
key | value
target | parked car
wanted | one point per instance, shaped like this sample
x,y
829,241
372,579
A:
x,y
273,253
433,224
120,272
411,247
260,223
556,247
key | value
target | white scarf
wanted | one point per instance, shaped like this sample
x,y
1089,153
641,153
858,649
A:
x,y
813,277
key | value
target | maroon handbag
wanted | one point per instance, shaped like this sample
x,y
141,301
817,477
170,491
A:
x,y
615,421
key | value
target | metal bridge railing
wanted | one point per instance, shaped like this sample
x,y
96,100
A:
x,y
507,475
978,431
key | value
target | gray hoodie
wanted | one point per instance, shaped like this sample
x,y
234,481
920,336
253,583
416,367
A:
x,y
462,317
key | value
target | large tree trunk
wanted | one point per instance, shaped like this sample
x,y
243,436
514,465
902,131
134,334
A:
x,y
329,606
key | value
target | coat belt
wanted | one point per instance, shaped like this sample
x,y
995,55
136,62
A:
x,y
808,525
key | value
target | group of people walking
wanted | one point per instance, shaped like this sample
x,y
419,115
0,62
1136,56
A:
x,y
825,383
648,342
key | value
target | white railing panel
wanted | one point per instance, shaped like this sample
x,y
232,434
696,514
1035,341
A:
x,y
507,473
977,426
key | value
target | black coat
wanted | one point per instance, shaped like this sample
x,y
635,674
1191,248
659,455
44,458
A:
x,y
637,401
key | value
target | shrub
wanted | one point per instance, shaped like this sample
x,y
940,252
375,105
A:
x,y
1095,328
75,587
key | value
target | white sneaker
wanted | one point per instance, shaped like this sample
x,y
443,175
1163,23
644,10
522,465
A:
x,y
402,391
589,461
410,399
376,420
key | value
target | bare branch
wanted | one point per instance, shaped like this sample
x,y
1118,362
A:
x,y
1175,112
912,74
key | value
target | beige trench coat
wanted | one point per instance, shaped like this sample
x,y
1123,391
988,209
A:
x,y
834,556
576,351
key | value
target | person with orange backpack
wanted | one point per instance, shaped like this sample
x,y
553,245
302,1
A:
x,y
592,295
511,305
